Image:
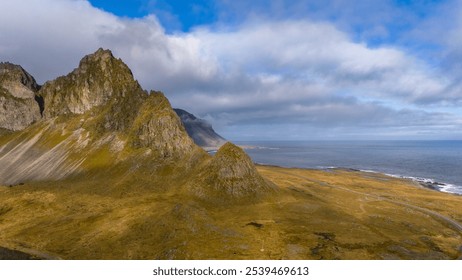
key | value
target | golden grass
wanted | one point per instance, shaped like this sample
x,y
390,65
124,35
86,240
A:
x,y
120,214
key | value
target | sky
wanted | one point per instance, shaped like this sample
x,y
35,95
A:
x,y
266,70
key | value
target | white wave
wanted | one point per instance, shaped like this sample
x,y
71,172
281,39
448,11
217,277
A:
x,y
443,187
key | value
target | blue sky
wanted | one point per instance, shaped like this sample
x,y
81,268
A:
x,y
266,70
396,16
175,15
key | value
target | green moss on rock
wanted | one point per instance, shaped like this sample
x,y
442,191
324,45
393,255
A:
x,y
100,79
159,128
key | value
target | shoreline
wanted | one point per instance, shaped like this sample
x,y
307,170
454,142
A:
x,y
423,182
435,175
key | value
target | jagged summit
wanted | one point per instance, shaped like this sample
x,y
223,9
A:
x,y
100,78
99,55
96,117
98,120
18,98
104,61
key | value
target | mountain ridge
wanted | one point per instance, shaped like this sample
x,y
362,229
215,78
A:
x,y
98,117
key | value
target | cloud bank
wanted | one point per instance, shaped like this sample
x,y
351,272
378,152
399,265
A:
x,y
281,78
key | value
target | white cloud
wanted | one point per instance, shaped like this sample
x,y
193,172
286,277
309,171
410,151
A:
x,y
300,72
49,37
319,53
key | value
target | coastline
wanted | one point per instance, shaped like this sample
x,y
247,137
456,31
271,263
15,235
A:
x,y
423,182
433,165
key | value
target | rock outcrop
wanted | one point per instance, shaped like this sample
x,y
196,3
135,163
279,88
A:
x,y
99,80
19,106
231,176
200,131
158,127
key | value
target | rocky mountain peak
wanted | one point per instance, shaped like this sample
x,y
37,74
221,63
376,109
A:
x,y
102,59
17,80
20,106
99,79
99,54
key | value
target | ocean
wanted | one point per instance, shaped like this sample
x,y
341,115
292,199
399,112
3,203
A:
x,y
436,163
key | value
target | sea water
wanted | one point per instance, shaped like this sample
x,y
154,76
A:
x,y
437,163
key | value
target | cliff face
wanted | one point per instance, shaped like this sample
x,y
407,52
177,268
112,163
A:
x,y
157,126
200,131
19,107
99,80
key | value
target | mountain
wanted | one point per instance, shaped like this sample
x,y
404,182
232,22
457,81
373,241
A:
x,y
200,131
96,118
20,106
93,111
92,166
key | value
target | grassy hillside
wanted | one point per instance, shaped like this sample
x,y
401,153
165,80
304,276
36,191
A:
x,y
314,215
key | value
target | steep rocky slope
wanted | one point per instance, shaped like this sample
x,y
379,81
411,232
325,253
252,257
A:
x,y
19,107
158,127
200,131
100,81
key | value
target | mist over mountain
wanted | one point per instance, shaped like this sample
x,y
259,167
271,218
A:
x,y
200,131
